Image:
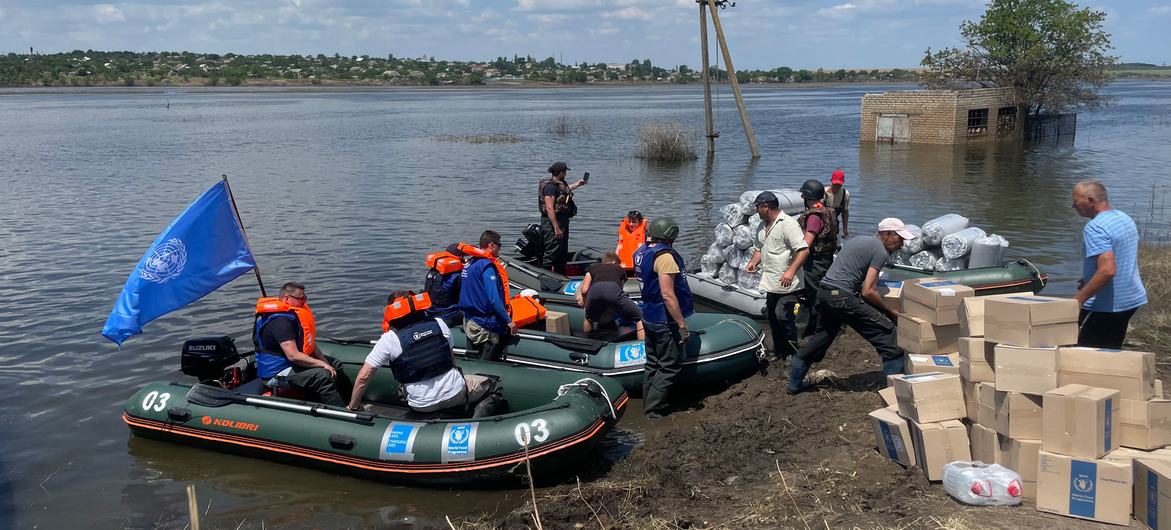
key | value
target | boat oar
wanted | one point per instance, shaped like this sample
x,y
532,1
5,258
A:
x,y
210,396
565,342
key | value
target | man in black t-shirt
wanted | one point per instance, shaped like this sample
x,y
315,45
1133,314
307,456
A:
x,y
286,348
555,202
602,292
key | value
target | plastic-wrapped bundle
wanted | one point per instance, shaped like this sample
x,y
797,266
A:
x,y
745,256
729,253
728,274
749,197
735,260
790,201
914,246
742,237
748,281
900,258
708,266
936,229
982,484
723,235
926,259
988,251
957,264
716,251
732,214
958,245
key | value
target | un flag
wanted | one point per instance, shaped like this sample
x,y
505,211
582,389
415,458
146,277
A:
x,y
201,250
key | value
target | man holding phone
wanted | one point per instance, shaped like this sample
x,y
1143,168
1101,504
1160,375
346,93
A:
x,y
555,202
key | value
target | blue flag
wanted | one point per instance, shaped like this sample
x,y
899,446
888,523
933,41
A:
x,y
201,250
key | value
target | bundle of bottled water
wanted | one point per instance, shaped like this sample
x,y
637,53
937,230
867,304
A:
x,y
949,243
735,238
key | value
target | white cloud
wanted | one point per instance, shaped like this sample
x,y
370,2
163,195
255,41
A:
x,y
1161,10
840,10
108,13
629,13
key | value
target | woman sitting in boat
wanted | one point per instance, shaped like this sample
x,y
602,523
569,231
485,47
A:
x,y
418,349
601,294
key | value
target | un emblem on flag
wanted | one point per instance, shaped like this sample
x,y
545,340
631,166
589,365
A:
x,y
166,261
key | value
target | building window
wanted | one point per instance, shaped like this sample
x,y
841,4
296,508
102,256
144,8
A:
x,y
977,122
1005,120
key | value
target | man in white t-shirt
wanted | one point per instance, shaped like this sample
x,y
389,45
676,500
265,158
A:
x,y
780,251
418,350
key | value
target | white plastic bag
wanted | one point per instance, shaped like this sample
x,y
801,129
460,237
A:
x,y
728,274
749,281
947,265
742,237
936,229
980,484
749,197
729,253
900,258
723,235
988,251
745,256
790,201
926,260
716,251
959,244
708,265
914,246
732,214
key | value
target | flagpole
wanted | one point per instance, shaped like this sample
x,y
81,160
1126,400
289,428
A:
x,y
256,268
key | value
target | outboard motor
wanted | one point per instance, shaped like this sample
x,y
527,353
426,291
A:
x,y
531,246
209,359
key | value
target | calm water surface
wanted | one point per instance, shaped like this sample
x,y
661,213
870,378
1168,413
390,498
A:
x,y
347,191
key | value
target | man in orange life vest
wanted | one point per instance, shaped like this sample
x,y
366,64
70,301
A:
x,y
483,297
286,350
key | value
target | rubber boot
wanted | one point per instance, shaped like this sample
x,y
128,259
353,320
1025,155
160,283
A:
x,y
800,367
894,366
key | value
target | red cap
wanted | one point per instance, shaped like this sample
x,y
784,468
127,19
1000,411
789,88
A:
x,y
839,177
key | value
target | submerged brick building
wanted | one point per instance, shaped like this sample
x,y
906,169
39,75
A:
x,y
940,116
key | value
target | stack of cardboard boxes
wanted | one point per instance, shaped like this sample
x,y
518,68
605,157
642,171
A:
x,y
1071,421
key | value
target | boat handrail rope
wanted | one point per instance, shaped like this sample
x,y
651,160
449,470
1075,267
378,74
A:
x,y
1036,272
585,383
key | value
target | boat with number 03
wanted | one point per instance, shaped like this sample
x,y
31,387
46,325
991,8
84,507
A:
x,y
555,420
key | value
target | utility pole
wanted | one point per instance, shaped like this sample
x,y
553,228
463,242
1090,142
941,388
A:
x,y
715,6
707,82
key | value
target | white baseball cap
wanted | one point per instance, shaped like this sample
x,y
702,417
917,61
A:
x,y
529,293
894,224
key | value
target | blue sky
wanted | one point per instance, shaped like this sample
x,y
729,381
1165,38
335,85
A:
x,y
761,33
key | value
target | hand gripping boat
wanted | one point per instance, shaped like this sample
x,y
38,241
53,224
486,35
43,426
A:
x,y
722,348
560,415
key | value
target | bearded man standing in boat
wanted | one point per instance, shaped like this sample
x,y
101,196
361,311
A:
x,y
666,301
555,202
418,349
285,336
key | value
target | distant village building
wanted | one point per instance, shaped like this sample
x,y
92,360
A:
x,y
940,116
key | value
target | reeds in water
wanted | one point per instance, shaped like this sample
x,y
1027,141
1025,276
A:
x,y
563,125
666,142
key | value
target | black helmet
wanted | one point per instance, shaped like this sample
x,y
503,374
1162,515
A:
x,y
813,190
664,229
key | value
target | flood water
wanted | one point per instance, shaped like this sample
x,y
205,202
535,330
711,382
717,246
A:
x,y
347,191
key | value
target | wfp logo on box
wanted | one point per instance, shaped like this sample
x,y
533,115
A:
x,y
630,354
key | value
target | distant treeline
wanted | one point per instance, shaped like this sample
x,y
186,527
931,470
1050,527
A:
x,y
105,68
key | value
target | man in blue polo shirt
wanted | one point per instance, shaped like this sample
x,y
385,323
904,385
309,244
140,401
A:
x,y
1110,290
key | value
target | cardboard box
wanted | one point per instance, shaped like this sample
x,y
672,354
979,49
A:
x,y
1099,490
1011,414
930,397
1080,421
1126,455
1152,493
1021,456
916,335
892,294
1026,370
888,397
971,399
893,436
977,359
557,322
1130,372
935,300
986,445
971,313
1031,320
1158,388
938,444
1144,424
920,364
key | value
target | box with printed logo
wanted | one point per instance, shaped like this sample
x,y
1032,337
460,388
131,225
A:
x,y
1080,421
1152,493
929,397
1021,456
946,363
1098,490
892,294
918,336
977,359
1025,370
892,436
1144,424
1031,320
939,443
935,300
1130,372
1010,413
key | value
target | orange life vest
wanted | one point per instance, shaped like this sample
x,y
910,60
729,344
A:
x,y
521,309
444,262
401,307
630,237
480,253
270,305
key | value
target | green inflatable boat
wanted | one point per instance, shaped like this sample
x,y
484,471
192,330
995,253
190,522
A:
x,y
560,415
722,348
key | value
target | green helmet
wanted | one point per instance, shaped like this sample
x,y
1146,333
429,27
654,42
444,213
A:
x,y
664,228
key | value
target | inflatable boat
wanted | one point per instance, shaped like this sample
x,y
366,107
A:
x,y
555,287
555,420
722,348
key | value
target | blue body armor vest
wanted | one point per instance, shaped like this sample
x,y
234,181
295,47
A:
x,y
654,310
270,360
426,353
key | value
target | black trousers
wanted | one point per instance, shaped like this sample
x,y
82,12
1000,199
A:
x,y
556,248
664,360
815,268
782,323
318,383
837,308
1100,329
